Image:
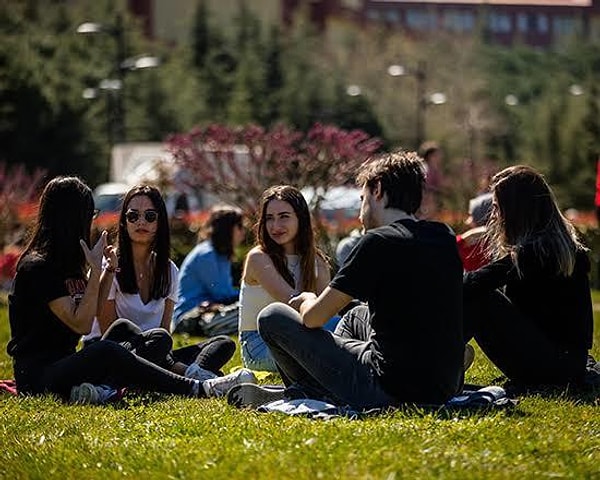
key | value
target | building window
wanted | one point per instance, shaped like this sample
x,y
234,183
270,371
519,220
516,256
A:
x,y
457,21
564,26
392,16
420,20
373,14
522,23
542,23
499,23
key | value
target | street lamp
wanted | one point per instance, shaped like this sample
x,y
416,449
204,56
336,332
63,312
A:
x,y
423,100
114,86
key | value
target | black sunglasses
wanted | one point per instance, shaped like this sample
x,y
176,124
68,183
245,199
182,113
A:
x,y
133,216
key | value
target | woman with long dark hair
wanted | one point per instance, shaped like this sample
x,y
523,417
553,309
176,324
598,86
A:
x,y
58,287
530,309
284,262
139,307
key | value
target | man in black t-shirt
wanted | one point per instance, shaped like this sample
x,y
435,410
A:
x,y
406,346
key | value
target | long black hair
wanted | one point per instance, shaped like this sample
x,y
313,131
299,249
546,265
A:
x,y
65,215
161,248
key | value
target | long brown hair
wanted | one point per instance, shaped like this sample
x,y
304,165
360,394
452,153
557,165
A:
x,y
525,211
304,242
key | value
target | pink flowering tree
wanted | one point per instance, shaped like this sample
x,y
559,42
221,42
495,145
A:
x,y
19,190
238,164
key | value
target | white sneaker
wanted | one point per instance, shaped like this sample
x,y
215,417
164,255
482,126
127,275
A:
x,y
196,372
219,386
88,394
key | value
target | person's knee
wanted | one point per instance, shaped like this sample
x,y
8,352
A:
x,y
274,318
108,352
160,339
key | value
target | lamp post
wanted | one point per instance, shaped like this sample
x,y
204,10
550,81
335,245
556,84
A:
x,y
423,100
113,86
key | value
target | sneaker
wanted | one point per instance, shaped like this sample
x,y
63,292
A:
x,y
219,386
469,357
196,372
88,394
249,395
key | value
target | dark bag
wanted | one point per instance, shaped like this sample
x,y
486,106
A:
x,y
210,320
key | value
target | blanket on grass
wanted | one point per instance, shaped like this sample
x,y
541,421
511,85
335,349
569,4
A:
x,y
471,398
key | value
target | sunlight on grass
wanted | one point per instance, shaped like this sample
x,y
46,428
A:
x,y
554,435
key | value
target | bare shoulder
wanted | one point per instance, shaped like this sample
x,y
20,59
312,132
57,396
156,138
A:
x,y
257,261
256,254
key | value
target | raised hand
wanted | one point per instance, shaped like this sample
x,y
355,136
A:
x,y
94,256
110,256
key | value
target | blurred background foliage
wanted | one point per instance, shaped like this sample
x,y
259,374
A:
x,y
248,73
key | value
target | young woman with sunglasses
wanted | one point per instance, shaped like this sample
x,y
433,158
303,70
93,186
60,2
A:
x,y
59,284
139,306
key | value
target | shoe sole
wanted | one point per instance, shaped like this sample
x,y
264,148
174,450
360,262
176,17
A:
x,y
249,395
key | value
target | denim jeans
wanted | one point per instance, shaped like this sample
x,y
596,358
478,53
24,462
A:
x,y
255,353
324,365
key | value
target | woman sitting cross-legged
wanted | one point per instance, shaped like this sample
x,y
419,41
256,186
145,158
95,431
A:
x,y
57,289
530,309
140,303
285,261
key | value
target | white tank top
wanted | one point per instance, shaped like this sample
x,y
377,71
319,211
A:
x,y
253,298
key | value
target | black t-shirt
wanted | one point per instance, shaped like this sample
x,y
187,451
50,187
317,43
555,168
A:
x,y
38,337
560,306
410,274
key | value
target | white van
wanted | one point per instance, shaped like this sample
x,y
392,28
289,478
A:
x,y
108,198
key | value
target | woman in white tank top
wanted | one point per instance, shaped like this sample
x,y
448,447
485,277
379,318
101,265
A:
x,y
284,261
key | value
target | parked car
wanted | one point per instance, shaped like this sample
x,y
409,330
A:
x,y
182,206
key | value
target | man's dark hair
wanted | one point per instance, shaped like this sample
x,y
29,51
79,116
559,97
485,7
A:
x,y
401,176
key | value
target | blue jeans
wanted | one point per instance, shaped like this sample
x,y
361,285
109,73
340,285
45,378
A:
x,y
324,365
255,353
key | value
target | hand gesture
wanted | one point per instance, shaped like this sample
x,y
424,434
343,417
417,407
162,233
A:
x,y
110,257
94,256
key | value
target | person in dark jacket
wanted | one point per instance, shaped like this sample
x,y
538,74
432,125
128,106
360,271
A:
x,y
530,309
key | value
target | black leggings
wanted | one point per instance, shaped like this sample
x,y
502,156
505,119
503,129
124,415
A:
x,y
106,362
155,345
516,345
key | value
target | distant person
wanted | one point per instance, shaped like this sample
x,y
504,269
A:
x,y
433,156
471,243
345,246
144,291
530,309
284,262
54,300
205,279
404,347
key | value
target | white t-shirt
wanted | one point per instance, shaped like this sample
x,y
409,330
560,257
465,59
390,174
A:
x,y
130,306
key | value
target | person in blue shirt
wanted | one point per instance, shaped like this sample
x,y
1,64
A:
x,y
205,276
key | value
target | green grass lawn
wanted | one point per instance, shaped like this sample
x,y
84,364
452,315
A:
x,y
551,435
